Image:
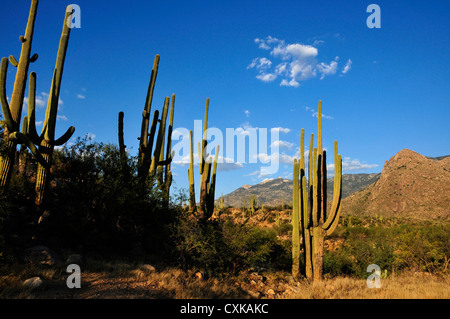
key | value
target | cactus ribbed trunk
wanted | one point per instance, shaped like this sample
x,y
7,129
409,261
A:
x,y
46,150
315,222
7,163
295,224
192,203
13,112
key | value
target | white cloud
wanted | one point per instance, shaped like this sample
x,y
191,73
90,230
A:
x,y
316,113
281,129
247,113
282,144
266,77
298,62
223,163
81,97
349,164
62,117
347,66
277,157
327,69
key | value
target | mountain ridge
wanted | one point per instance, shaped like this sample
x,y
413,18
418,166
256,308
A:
x,y
276,191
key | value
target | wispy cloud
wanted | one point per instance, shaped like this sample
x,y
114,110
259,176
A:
x,y
315,114
81,96
350,165
247,113
347,66
282,144
297,62
62,117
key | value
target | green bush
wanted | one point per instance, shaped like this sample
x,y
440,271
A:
x,y
404,246
218,246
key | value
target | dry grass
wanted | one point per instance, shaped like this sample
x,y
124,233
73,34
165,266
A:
x,y
406,286
128,281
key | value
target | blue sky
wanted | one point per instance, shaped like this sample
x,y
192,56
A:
x,y
263,64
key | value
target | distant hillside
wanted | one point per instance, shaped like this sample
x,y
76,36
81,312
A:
x,y
410,185
273,192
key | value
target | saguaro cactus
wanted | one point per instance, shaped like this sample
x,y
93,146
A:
x,y
207,182
46,141
310,206
12,111
208,171
192,203
164,174
146,138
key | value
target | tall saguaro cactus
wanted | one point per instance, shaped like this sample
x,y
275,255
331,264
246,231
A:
x,y
192,204
46,141
208,171
146,138
12,111
310,204
164,174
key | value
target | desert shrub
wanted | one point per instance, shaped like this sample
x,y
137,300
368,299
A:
x,y
221,246
92,205
283,229
405,246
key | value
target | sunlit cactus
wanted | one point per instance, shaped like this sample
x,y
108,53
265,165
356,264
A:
x,y
208,171
310,205
41,146
12,111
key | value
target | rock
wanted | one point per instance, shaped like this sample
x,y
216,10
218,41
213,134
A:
x,y
270,292
41,255
199,275
148,268
33,283
254,294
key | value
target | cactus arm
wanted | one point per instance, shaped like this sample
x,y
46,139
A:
x,y
213,176
315,212
52,105
324,187
17,95
169,155
13,61
122,145
337,188
147,107
192,204
23,139
204,138
25,125
159,140
319,124
10,124
337,196
32,134
335,223
34,58
295,222
212,186
65,137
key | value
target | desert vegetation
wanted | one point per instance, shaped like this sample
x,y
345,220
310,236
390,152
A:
x,y
117,215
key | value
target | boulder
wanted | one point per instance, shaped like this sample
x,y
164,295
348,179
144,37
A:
x,y
41,255
33,283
